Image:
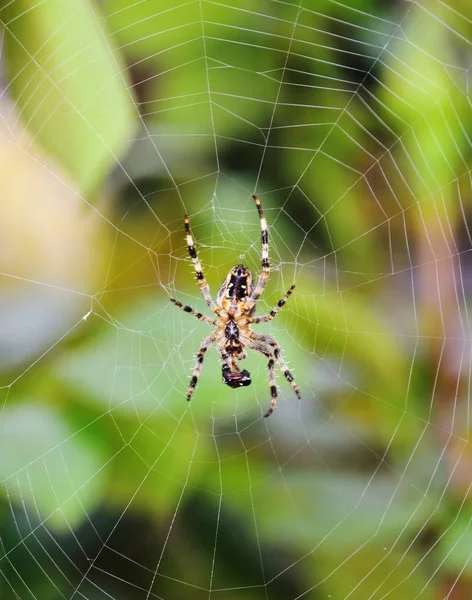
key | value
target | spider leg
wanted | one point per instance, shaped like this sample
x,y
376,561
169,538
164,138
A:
x,y
264,348
275,310
273,388
283,367
264,276
207,342
202,284
267,345
198,315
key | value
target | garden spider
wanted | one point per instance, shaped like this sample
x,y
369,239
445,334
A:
x,y
234,309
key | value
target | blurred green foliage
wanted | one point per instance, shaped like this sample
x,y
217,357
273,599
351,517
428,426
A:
x,y
346,117
69,85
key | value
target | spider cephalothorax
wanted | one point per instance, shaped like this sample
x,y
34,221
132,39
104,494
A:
x,y
234,311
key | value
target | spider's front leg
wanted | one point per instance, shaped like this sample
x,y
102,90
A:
x,y
202,283
207,342
264,276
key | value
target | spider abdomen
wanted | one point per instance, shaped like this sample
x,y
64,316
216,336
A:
x,y
237,289
237,286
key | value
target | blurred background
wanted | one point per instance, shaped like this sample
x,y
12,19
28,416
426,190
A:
x,y
351,120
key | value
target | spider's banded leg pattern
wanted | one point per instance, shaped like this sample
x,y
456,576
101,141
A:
x,y
283,367
267,345
275,310
207,342
190,311
264,276
273,388
202,284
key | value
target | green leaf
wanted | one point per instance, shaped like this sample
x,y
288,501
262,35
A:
x,y
68,84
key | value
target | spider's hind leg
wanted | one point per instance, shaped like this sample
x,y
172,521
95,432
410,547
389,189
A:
x,y
287,374
207,342
267,345
273,388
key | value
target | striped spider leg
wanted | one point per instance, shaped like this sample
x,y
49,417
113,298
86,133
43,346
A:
x,y
190,311
264,276
207,342
202,284
267,345
205,290
275,310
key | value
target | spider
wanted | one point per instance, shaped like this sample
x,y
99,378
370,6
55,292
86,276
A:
x,y
234,309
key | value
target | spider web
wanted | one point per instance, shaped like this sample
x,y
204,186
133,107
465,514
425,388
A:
x,y
350,120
